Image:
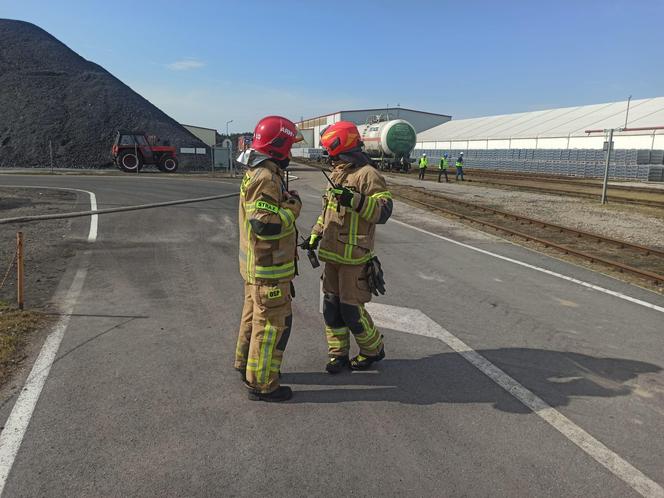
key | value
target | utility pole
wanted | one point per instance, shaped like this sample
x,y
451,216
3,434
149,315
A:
x,y
20,270
606,168
50,152
627,112
230,149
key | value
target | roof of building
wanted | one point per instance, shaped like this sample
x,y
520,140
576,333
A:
x,y
560,122
199,127
381,109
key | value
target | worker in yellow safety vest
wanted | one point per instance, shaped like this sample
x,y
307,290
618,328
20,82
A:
x,y
442,167
424,162
459,167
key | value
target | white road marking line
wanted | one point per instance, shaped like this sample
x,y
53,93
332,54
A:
x,y
94,219
19,418
610,292
413,321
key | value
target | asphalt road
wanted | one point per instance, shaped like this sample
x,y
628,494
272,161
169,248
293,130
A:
x,y
142,399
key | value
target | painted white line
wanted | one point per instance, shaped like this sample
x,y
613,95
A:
x,y
19,418
598,288
94,219
413,321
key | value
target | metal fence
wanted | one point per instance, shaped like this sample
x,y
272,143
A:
x,y
625,164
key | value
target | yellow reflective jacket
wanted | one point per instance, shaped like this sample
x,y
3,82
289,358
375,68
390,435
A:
x,y
267,217
347,234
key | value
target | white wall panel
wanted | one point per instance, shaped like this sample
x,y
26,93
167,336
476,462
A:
x,y
477,144
659,142
499,144
586,142
552,143
524,143
633,142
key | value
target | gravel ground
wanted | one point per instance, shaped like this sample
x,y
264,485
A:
x,y
46,252
634,224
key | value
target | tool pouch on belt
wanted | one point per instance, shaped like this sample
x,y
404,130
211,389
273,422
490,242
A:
x,y
375,277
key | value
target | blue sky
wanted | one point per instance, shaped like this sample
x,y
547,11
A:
x,y
206,62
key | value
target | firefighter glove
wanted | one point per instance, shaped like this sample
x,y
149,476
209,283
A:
x,y
311,244
375,277
344,195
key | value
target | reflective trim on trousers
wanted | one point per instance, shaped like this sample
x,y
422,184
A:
x,y
335,258
370,339
263,365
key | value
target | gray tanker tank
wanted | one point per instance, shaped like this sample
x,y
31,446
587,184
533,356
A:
x,y
388,142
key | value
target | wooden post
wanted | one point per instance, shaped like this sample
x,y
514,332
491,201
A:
x,y
19,269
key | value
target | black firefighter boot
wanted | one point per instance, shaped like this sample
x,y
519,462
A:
x,y
361,362
282,393
337,364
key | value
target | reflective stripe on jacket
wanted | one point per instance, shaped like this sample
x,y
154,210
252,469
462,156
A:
x,y
348,234
267,226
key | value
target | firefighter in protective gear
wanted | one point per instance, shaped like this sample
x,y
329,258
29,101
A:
x,y
424,162
345,233
268,240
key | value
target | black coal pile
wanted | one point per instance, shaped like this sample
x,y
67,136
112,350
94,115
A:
x,y
50,93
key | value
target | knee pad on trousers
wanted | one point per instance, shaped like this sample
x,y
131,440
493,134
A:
x,y
283,340
352,318
332,312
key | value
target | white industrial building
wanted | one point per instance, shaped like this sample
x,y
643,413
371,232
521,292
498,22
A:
x,y
206,135
420,120
564,128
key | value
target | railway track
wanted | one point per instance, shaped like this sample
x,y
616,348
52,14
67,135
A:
x,y
619,194
585,182
612,198
646,263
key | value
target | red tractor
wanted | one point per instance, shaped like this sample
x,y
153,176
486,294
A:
x,y
132,150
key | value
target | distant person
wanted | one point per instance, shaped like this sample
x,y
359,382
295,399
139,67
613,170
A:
x,y
405,164
459,167
267,258
424,162
442,168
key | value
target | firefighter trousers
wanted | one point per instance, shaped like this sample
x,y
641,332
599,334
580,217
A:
x,y
346,290
264,331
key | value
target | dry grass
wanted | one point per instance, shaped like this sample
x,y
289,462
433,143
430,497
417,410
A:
x,y
15,329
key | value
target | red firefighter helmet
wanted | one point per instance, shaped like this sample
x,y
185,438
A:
x,y
341,137
274,136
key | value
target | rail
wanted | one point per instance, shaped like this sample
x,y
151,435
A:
x,y
656,278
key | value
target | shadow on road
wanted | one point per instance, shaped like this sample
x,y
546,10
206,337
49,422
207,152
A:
x,y
555,376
